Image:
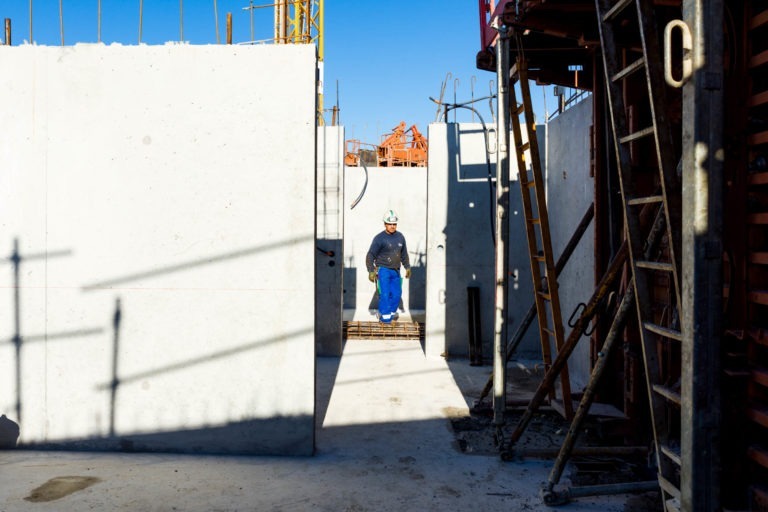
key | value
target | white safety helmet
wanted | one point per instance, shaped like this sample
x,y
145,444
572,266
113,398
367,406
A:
x,y
390,217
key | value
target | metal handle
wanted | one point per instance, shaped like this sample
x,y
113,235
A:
x,y
685,33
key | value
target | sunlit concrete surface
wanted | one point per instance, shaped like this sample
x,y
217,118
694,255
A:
x,y
384,443
163,205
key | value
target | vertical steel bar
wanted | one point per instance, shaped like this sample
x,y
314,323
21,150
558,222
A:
x,y
502,230
702,283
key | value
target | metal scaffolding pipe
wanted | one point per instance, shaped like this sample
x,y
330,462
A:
x,y
585,451
562,497
502,230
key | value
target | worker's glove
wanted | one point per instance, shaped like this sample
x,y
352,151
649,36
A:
x,y
408,273
372,277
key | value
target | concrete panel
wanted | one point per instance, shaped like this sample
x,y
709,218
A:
x,y
404,190
460,243
329,257
570,191
175,181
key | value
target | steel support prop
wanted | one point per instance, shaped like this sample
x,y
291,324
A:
x,y
702,283
567,448
502,230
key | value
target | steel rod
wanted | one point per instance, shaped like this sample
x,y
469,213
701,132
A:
x,y
562,497
585,451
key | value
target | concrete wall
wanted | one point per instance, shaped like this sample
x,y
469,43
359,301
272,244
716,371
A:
x,y
570,191
178,181
404,190
460,246
329,257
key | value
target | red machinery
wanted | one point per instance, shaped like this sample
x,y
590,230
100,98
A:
x,y
401,148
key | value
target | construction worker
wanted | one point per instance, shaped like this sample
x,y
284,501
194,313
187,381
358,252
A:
x,y
387,253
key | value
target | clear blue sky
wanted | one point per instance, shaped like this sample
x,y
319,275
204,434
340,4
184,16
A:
x,y
388,57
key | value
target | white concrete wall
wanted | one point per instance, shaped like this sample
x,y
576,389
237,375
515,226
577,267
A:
x,y
461,252
570,191
179,181
329,257
404,190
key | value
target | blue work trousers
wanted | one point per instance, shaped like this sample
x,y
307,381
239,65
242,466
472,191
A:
x,y
390,290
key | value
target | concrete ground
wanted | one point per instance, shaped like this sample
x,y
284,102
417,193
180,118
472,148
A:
x,y
384,442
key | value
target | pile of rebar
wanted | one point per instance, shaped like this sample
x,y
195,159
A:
x,y
375,331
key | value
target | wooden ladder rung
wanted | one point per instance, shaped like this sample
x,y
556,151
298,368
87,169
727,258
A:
x,y
669,487
638,64
759,59
548,331
544,295
758,178
520,109
737,374
757,138
655,265
759,376
758,297
758,218
759,20
524,147
535,220
758,99
616,10
758,258
668,393
759,455
530,184
663,331
672,505
759,415
672,454
637,135
645,200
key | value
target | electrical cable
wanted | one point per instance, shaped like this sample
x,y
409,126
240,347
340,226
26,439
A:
x,y
365,186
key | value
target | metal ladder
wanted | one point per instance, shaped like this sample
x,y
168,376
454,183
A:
x,y
539,243
623,63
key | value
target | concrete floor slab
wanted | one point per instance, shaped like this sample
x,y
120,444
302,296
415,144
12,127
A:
x,y
384,442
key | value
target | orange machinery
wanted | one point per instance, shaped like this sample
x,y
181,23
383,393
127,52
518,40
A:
x,y
401,148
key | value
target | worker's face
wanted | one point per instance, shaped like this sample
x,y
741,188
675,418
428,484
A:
x,y
391,228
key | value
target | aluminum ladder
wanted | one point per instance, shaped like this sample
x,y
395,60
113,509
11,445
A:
x,y
625,60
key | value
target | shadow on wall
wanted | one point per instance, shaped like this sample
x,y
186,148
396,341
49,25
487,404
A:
x,y
350,287
255,437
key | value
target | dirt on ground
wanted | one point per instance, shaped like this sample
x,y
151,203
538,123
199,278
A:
x,y
543,437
